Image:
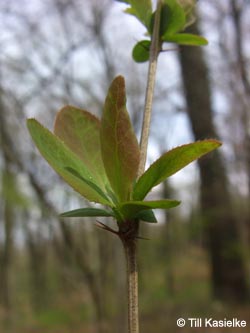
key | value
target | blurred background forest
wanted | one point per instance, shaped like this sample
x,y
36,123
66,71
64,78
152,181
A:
x,y
66,275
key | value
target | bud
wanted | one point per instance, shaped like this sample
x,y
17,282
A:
x,y
188,6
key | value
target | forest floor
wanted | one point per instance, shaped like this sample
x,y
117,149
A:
x,y
188,296
161,321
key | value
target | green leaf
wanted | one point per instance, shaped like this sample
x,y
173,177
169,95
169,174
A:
x,y
173,17
80,132
185,39
171,162
89,182
60,157
146,216
141,51
130,209
87,212
142,9
120,149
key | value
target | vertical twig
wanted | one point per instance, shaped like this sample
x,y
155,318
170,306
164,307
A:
x,y
128,233
130,248
154,53
130,243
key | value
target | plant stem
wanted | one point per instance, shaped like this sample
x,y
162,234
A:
x,y
130,242
130,248
128,233
154,53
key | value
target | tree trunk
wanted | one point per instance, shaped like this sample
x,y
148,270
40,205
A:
x,y
7,218
237,12
5,258
38,268
228,270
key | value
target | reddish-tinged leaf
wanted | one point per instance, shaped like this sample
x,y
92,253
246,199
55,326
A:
x,y
63,160
80,131
120,149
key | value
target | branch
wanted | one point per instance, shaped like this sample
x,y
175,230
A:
x,y
154,53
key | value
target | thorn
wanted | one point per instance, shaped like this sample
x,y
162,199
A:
x,y
118,233
105,227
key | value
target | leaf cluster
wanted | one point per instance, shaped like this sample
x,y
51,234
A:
x,y
175,16
99,158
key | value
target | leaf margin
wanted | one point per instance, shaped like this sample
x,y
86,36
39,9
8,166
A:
x,y
156,173
88,212
38,131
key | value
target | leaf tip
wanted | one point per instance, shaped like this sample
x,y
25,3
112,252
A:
x,y
205,42
119,81
117,91
216,142
30,120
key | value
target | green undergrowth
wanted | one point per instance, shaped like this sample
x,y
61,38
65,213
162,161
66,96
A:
x,y
160,305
